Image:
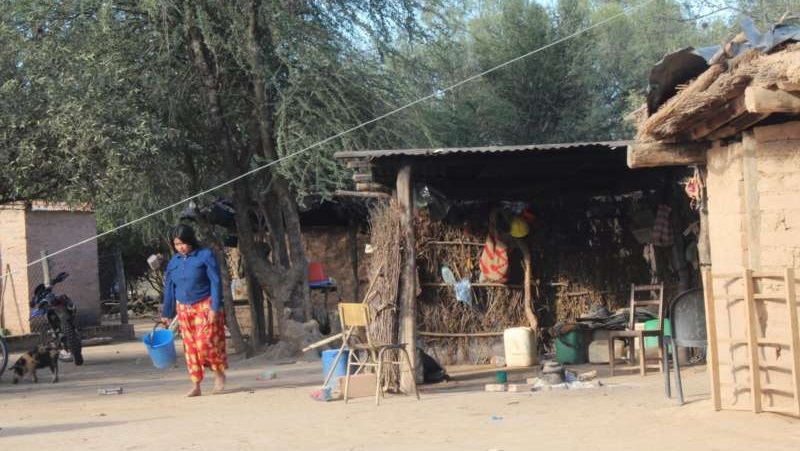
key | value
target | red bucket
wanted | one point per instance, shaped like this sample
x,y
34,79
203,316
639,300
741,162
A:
x,y
316,273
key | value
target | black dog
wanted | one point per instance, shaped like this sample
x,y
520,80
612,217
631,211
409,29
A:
x,y
40,357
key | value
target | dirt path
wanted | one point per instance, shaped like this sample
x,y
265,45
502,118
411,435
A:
x,y
630,413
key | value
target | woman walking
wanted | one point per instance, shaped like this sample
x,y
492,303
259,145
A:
x,y
192,287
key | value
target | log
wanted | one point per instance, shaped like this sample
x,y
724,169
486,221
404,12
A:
x,y
408,277
657,154
769,101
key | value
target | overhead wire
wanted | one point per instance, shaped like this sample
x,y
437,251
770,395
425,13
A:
x,y
435,94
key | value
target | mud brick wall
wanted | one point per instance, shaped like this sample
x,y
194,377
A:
x,y
13,255
754,223
754,201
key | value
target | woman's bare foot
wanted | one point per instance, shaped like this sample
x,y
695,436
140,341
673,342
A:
x,y
195,391
219,382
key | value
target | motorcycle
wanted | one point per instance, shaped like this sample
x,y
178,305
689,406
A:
x,y
60,313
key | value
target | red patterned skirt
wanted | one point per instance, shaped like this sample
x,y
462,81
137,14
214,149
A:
x,y
203,340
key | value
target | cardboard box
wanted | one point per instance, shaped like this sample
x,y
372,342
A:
x,y
361,385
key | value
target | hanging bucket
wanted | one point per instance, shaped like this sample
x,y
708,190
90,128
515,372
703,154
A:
x,y
161,347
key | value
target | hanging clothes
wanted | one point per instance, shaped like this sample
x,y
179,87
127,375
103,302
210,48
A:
x,y
662,232
494,261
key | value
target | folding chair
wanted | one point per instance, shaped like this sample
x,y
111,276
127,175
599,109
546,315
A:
x,y
355,321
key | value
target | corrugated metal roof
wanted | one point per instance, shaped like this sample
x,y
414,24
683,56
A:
x,y
372,154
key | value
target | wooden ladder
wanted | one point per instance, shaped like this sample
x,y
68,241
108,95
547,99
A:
x,y
753,340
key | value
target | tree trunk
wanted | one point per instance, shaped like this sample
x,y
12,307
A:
x,y
277,280
230,309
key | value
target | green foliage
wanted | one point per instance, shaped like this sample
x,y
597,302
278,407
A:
x,y
99,101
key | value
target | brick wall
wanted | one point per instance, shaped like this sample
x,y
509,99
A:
x,y
13,255
754,223
55,230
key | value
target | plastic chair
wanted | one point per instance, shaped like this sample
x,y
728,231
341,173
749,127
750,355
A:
x,y
355,319
688,321
631,334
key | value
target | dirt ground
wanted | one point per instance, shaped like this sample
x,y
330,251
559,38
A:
x,y
628,413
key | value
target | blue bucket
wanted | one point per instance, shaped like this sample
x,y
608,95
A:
x,y
341,366
161,347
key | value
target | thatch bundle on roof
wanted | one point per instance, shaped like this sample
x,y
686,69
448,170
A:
x,y
714,105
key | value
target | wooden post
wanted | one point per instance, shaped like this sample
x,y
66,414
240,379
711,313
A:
x,y
528,296
408,277
791,304
712,362
123,287
45,269
752,340
703,239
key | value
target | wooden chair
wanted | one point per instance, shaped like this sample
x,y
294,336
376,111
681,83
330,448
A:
x,y
654,298
355,321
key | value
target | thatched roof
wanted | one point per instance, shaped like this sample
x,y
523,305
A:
x,y
732,95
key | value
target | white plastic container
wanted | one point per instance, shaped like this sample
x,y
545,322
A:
x,y
520,347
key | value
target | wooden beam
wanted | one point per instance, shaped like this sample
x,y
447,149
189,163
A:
x,y
727,113
460,335
408,276
778,132
788,85
371,186
365,178
356,164
737,125
656,154
374,194
768,101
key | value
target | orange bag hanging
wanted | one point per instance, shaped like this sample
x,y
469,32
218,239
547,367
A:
x,y
494,258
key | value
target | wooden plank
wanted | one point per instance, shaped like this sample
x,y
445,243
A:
x,y
354,164
362,178
656,154
752,338
769,297
770,101
364,186
711,336
727,275
737,125
791,303
460,335
408,288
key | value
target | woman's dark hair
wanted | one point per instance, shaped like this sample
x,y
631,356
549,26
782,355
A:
x,y
186,234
